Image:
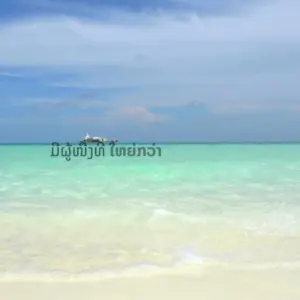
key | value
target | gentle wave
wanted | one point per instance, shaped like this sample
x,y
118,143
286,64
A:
x,y
146,270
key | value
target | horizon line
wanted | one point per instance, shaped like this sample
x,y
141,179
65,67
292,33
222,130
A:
x,y
160,142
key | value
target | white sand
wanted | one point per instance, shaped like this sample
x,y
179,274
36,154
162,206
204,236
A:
x,y
276,284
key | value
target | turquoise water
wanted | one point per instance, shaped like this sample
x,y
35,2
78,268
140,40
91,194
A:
x,y
222,204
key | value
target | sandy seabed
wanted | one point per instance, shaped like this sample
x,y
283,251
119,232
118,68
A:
x,y
275,284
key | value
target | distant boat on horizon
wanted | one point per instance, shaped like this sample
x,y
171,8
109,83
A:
x,y
96,139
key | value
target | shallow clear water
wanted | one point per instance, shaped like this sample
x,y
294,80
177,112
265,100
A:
x,y
227,205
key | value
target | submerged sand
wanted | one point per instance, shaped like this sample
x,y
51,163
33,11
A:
x,y
215,284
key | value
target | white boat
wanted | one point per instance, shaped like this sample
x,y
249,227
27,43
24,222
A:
x,y
97,139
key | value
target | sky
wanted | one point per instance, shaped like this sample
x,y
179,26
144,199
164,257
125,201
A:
x,y
155,70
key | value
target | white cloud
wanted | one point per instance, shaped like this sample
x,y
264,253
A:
x,y
142,115
68,41
7,74
129,115
80,102
249,57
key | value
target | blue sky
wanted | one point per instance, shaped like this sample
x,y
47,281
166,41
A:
x,y
156,70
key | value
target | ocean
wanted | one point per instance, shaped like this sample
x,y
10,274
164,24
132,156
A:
x,y
233,206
